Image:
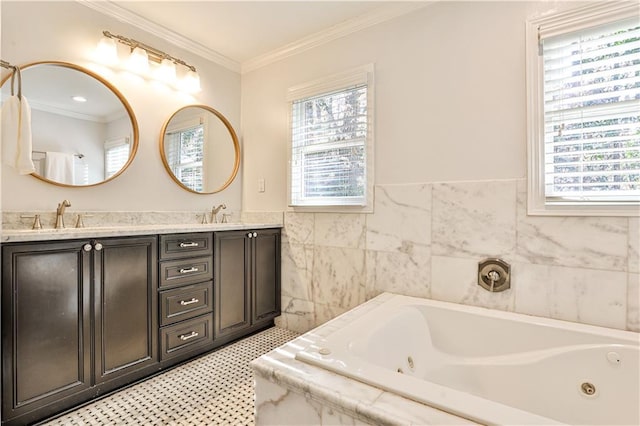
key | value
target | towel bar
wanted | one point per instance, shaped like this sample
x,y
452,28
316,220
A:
x,y
44,153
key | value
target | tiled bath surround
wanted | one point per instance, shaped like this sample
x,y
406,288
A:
x,y
427,239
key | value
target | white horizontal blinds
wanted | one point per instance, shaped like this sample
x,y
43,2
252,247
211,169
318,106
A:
x,y
329,148
116,156
592,113
185,155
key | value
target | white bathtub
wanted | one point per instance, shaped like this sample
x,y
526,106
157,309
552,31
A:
x,y
489,366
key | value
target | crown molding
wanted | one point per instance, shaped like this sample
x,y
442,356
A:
x,y
380,15
342,29
126,16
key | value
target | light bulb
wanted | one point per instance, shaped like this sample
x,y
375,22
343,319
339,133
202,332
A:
x,y
166,72
191,82
139,61
107,51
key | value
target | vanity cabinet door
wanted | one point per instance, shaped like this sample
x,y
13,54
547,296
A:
x,y
46,325
265,258
125,306
246,281
231,283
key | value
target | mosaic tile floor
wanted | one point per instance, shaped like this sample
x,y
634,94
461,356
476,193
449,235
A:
x,y
216,389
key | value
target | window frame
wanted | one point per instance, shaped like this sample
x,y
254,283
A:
x,y
326,85
572,20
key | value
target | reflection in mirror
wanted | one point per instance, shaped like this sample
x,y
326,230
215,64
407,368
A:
x,y
83,130
200,149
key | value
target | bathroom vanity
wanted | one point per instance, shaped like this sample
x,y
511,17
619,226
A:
x,y
87,311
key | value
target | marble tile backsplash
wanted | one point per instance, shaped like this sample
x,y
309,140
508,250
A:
x,y
93,219
426,240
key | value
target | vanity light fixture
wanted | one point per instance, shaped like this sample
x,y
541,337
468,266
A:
x,y
166,72
107,51
140,58
138,61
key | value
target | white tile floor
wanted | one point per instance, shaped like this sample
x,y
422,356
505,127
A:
x,y
216,389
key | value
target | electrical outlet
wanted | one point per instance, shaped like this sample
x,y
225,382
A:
x,y
261,185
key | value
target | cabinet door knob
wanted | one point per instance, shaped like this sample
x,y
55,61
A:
x,y
255,234
188,270
98,246
191,335
87,247
189,302
249,235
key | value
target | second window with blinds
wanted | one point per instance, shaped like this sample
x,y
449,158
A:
x,y
584,116
331,143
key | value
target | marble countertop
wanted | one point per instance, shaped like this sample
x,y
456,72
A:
x,y
24,235
359,400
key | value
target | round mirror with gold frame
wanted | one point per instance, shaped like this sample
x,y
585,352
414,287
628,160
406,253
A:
x,y
84,132
200,149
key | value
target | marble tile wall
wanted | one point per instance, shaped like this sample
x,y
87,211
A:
x,y
426,240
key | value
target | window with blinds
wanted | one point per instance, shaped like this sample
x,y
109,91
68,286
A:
x,y
331,144
589,105
185,155
116,155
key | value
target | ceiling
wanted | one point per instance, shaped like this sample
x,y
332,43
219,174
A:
x,y
245,34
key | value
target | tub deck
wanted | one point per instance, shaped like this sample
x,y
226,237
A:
x,y
284,385
307,381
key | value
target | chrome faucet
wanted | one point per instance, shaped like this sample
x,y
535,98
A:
x,y
214,212
60,213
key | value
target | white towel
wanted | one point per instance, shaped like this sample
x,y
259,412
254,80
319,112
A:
x,y
58,166
16,135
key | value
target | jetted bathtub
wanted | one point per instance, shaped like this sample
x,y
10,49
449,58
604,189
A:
x,y
489,366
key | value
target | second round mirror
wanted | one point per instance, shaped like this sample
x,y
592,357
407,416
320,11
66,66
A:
x,y
200,149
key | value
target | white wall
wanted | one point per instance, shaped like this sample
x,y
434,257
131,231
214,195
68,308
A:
x,y
449,98
68,31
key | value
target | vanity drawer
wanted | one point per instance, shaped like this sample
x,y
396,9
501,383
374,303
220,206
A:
x,y
175,246
185,271
186,336
185,302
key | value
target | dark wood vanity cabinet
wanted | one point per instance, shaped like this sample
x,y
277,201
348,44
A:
x,y
246,281
83,317
79,318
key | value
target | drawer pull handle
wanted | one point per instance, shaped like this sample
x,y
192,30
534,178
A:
x,y
189,336
188,270
189,302
183,245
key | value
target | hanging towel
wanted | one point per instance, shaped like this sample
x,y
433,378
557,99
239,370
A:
x,y
58,166
16,131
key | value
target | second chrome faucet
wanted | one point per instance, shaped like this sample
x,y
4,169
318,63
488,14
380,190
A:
x,y
214,212
60,213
